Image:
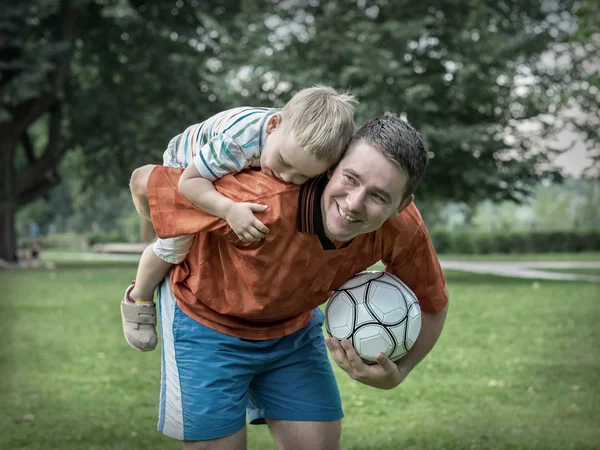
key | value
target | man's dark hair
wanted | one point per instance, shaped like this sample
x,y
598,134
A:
x,y
400,143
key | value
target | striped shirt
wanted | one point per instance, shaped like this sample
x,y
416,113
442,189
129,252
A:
x,y
228,142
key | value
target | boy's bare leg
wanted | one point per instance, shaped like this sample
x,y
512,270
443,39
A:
x,y
138,312
151,271
139,189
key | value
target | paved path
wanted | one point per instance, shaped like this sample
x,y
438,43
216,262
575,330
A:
x,y
527,269
512,269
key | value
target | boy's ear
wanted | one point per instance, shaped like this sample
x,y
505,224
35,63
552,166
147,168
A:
x,y
273,122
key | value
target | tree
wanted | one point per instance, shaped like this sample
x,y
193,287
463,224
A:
x,y
465,73
112,80
32,80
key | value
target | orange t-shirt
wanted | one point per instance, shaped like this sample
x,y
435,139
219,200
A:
x,y
268,289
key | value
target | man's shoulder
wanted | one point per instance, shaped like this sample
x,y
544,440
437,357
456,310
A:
x,y
407,229
252,185
409,219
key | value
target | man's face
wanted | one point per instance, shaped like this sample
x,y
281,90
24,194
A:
x,y
364,191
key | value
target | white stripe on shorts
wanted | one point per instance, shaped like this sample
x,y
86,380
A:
x,y
170,416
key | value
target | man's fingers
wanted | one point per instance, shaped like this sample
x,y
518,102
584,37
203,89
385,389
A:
x,y
257,207
337,352
260,226
386,363
255,234
355,361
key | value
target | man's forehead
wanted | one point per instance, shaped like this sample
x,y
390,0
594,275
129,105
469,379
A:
x,y
374,169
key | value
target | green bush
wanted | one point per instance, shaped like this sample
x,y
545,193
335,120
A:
x,y
107,237
64,241
470,242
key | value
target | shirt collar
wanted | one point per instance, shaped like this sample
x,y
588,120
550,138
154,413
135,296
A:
x,y
310,216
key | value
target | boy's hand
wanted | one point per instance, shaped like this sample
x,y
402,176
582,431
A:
x,y
242,221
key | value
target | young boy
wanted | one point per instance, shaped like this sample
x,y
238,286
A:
x,y
299,142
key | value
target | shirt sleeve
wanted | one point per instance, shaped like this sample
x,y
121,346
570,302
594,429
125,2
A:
x,y
222,155
172,215
412,258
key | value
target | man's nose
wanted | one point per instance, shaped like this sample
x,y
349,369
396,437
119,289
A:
x,y
355,200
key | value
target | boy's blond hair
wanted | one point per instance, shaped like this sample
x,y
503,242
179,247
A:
x,y
322,121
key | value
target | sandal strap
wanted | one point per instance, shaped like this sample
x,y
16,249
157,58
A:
x,y
139,314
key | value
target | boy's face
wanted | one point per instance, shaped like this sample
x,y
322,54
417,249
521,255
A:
x,y
283,158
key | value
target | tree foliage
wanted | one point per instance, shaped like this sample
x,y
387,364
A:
x,y
465,73
111,79
114,80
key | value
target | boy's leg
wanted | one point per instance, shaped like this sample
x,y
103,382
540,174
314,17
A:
x,y
151,271
297,393
137,308
139,189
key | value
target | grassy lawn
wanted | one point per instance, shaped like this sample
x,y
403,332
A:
x,y
517,368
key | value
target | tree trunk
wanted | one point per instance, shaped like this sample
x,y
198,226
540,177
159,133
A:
x,y
8,244
8,206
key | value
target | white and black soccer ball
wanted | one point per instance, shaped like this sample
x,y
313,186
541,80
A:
x,y
377,312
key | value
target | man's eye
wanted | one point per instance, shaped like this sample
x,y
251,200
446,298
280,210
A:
x,y
349,179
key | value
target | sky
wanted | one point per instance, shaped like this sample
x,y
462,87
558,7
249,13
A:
x,y
575,160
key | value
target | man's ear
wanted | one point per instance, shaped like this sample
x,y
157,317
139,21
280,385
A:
x,y
405,204
273,122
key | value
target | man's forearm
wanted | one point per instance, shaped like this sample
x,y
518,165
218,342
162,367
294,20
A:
x,y
431,329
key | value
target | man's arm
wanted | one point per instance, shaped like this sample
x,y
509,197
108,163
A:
x,y
432,325
413,260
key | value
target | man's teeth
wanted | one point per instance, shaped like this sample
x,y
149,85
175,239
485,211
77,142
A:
x,y
346,216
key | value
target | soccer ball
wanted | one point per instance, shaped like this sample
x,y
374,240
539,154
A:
x,y
377,312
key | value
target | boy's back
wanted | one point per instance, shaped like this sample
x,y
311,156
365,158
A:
x,y
236,128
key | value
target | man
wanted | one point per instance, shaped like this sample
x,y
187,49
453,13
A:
x,y
239,325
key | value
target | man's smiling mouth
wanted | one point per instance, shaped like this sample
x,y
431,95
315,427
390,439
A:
x,y
345,216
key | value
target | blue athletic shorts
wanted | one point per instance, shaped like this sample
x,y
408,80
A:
x,y
211,380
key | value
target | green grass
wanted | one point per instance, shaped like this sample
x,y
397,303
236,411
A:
x,y
517,367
